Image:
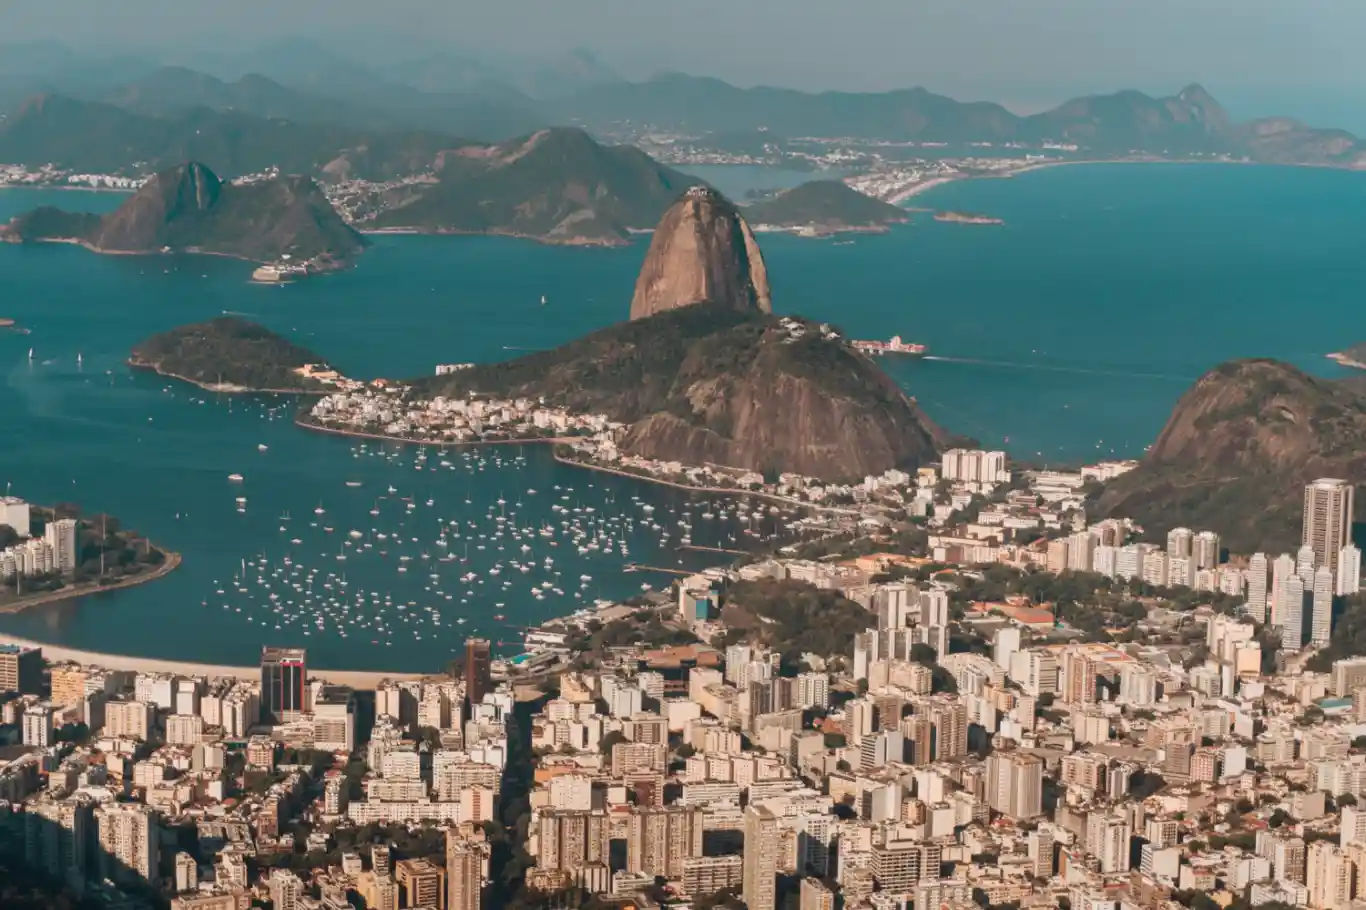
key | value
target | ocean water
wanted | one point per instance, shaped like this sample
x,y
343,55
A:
x,y
1067,333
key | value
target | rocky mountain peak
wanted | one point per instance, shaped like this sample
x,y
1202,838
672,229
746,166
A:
x,y
702,252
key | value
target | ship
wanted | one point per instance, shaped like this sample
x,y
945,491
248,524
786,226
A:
x,y
892,346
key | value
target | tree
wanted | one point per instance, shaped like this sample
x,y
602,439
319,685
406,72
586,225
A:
x,y
611,739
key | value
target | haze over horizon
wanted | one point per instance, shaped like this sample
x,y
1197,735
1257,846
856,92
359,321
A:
x,y
1259,56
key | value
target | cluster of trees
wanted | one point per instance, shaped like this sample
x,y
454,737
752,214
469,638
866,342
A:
x,y
793,617
1348,638
229,349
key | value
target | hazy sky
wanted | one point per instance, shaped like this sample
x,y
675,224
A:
x,y
1025,52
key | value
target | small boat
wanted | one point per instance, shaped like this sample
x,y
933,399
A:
x,y
353,483
261,447
235,478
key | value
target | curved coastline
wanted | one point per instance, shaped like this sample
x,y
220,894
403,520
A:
x,y
225,388
172,563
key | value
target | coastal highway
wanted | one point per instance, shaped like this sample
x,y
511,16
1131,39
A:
x,y
357,679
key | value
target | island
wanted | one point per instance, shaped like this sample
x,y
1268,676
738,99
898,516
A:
x,y
823,207
55,553
965,218
234,355
284,221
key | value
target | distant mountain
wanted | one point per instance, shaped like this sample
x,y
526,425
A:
x,y
92,137
827,206
1237,451
578,70
188,209
1115,124
171,91
556,185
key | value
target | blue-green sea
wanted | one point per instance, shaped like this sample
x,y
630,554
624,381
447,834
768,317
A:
x,y
1067,333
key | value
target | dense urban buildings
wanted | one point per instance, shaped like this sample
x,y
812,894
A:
x,y
1016,707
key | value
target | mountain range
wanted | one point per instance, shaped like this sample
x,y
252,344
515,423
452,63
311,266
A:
x,y
455,95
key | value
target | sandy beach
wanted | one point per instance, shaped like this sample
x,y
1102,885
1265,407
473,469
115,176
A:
x,y
358,679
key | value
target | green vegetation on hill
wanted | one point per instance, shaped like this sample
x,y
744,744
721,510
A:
x,y
188,208
708,384
793,617
827,204
554,185
228,350
1236,454
102,138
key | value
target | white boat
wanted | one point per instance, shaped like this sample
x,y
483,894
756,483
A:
x,y
235,478
261,447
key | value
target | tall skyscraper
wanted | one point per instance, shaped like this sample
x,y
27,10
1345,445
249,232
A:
x,y
1205,550
1107,839
56,836
1349,570
1179,543
1014,784
129,839
759,882
1328,509
1281,570
1256,587
284,683
1306,561
21,669
1290,613
1328,876
662,838
478,661
1321,627
60,535
464,873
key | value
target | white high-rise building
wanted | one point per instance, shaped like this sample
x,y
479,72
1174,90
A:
x,y
1129,562
1014,784
1328,876
1107,839
285,889
1328,509
1179,542
1155,569
1081,548
1004,645
1103,560
1290,613
1256,587
15,513
1305,564
1205,550
1180,572
1281,570
1322,626
1349,570
60,535
38,726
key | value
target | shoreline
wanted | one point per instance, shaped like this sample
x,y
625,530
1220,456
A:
x,y
601,243
1342,359
173,561
447,443
709,491
359,679
222,388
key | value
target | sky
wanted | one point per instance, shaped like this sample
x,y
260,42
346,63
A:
x,y
1027,53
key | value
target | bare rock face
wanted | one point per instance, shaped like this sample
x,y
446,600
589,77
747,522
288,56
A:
x,y
1237,452
702,252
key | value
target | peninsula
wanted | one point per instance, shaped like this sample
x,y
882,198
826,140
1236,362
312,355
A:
x,y
701,375
822,207
188,209
56,553
231,354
